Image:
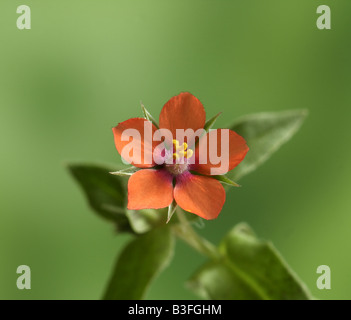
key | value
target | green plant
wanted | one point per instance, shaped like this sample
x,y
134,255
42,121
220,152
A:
x,y
240,267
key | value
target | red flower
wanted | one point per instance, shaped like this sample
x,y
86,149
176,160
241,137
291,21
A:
x,y
159,183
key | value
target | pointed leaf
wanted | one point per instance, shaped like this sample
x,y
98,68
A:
x,y
249,269
225,180
105,192
265,133
148,116
171,209
209,123
139,263
125,172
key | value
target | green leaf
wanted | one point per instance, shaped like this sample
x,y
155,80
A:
x,y
139,263
107,196
145,220
148,116
105,192
265,133
216,281
142,221
125,172
250,268
171,209
210,122
225,180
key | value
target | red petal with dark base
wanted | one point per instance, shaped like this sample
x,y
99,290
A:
x,y
150,189
203,196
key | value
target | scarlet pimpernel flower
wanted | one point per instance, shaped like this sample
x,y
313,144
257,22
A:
x,y
180,160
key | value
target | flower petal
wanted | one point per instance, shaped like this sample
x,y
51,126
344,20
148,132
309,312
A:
x,y
206,159
203,196
140,140
183,111
150,189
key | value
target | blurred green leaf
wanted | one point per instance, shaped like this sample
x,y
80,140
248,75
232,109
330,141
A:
x,y
145,220
105,192
216,281
249,269
264,133
139,263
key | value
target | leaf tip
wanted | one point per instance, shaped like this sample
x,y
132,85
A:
x,y
171,209
305,112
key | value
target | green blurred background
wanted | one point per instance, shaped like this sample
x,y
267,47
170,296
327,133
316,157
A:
x,y
85,66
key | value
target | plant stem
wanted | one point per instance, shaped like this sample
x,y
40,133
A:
x,y
186,232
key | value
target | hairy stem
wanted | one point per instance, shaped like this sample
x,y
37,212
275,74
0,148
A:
x,y
186,232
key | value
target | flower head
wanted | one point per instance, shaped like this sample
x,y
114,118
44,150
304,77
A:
x,y
178,159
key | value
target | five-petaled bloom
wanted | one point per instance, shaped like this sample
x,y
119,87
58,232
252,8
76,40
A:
x,y
187,182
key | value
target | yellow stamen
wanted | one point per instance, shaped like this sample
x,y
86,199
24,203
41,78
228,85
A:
x,y
175,144
182,147
181,151
188,154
